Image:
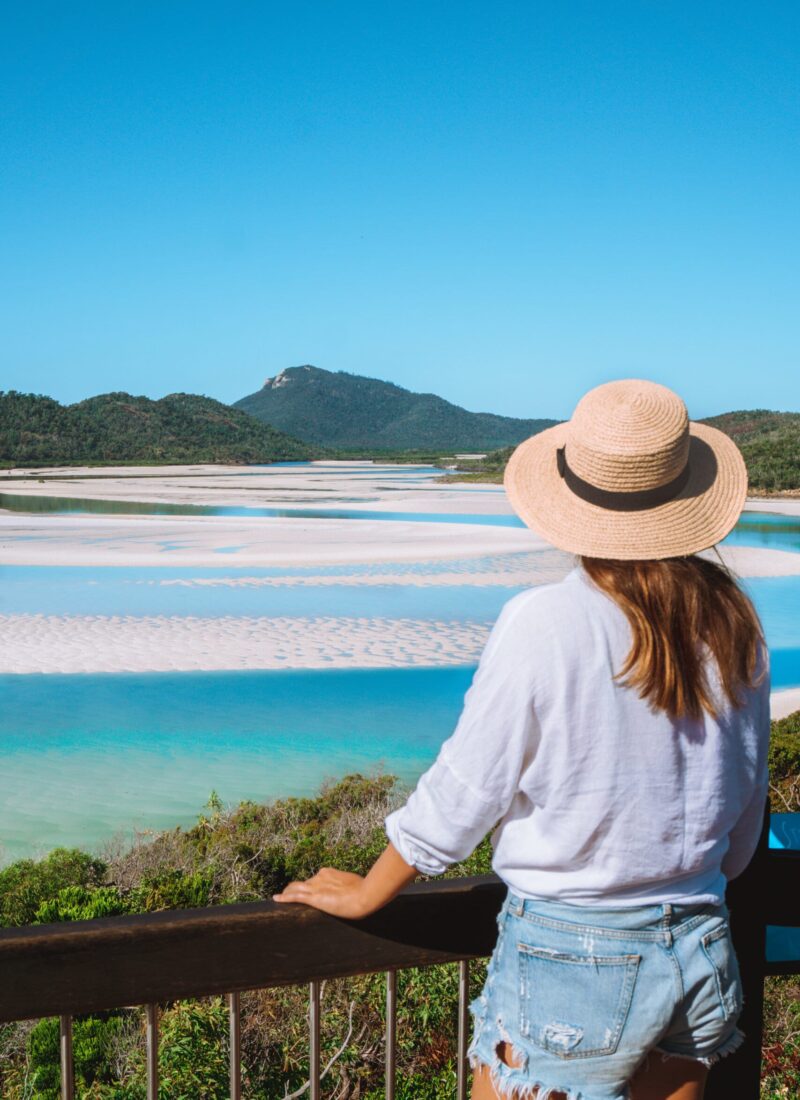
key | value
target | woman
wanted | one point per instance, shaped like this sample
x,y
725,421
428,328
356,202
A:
x,y
617,729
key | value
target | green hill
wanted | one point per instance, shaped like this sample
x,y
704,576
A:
x,y
119,428
337,409
770,443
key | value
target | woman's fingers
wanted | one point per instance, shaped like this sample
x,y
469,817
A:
x,y
337,892
294,891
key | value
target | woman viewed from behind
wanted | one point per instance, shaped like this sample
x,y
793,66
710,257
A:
x,y
616,735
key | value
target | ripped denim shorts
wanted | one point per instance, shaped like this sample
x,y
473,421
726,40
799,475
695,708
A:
x,y
580,995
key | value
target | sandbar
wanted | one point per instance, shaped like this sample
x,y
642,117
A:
x,y
785,702
119,643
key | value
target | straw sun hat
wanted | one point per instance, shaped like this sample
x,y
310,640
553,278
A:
x,y
628,477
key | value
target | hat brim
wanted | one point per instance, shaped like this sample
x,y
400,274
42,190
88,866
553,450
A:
x,y
703,512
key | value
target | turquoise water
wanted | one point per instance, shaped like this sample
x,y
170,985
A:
x,y
777,600
129,591
86,757
768,530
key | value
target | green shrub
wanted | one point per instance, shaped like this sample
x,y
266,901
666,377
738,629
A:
x,y
173,889
193,1063
82,903
93,1042
784,764
27,884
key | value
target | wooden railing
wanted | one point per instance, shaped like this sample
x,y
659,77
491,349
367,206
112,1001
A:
x,y
87,966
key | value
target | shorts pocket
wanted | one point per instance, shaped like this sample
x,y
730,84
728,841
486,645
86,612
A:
x,y
574,1006
719,951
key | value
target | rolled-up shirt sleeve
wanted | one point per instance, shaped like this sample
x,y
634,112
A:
x,y
476,774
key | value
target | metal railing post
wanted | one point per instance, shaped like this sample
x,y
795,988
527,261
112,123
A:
x,y
67,1068
313,1027
391,1033
463,1029
235,1031
152,1051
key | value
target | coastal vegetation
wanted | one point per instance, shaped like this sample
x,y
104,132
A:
x,y
118,428
769,442
249,852
336,409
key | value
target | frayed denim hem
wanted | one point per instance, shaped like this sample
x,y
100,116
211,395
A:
x,y
508,1082
731,1044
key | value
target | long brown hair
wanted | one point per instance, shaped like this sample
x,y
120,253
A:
x,y
674,606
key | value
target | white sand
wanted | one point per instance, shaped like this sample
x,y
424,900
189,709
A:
x,y
786,506
756,561
384,488
97,643
784,702
184,540
518,570
219,541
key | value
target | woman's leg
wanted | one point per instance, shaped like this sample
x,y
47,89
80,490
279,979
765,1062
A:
x,y
657,1079
483,1088
669,1079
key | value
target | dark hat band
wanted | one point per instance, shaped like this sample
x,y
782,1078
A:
x,y
637,500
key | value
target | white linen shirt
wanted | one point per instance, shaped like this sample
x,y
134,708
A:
x,y
600,799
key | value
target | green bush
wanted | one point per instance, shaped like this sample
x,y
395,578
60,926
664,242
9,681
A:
x,y
193,1063
93,1042
82,903
784,764
26,885
172,889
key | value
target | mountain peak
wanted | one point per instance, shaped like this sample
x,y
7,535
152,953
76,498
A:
x,y
340,409
286,375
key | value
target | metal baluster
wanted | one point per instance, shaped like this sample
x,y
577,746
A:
x,y
391,1032
152,1052
235,1029
313,1027
67,1074
463,1028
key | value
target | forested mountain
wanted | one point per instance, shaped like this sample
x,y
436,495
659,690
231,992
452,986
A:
x,y
337,409
770,443
116,427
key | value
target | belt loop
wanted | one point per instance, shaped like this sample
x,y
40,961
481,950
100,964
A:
x,y
515,905
666,921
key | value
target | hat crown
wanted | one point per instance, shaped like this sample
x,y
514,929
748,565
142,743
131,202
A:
x,y
628,436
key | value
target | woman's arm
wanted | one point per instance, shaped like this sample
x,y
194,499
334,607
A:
x,y
353,896
463,794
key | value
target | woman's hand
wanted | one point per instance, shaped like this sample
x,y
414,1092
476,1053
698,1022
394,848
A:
x,y
338,892
352,896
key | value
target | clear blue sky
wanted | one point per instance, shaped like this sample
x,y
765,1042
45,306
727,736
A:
x,y
501,202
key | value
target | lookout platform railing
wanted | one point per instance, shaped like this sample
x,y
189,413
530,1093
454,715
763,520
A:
x,y
82,967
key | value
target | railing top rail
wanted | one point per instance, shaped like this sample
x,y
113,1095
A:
x,y
88,966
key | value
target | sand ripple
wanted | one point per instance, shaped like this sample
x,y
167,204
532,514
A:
x,y
98,643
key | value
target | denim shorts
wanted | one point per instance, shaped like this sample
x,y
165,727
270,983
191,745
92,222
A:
x,y
581,995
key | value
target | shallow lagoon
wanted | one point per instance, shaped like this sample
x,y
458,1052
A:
x,y
86,756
